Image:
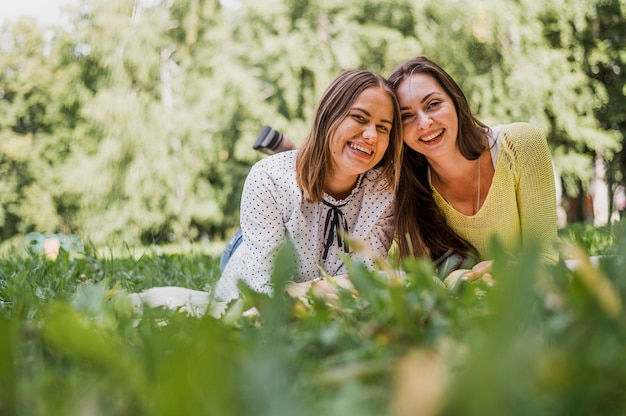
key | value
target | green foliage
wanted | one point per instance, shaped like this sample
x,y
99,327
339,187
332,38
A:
x,y
136,124
594,240
545,340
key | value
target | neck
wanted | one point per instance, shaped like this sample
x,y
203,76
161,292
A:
x,y
453,170
340,189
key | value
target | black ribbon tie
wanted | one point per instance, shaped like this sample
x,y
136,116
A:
x,y
334,222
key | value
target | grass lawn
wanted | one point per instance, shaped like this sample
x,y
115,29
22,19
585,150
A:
x,y
543,341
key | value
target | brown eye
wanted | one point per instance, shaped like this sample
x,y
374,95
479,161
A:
x,y
433,104
359,118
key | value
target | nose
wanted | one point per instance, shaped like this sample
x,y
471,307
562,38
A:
x,y
424,121
369,133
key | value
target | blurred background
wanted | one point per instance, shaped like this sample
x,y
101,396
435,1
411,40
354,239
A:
x,y
132,121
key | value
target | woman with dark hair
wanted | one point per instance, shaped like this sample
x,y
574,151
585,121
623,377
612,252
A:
x,y
341,182
485,181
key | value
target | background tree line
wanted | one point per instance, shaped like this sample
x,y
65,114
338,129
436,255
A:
x,y
136,123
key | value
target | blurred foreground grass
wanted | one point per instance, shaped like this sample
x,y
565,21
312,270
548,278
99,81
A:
x,y
544,341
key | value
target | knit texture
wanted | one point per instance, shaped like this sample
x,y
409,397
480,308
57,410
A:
x,y
520,208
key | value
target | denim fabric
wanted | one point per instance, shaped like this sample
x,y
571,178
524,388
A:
x,y
230,248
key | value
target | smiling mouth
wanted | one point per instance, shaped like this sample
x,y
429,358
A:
x,y
361,149
432,137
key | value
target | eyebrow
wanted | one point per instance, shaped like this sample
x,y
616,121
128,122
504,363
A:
x,y
369,115
426,97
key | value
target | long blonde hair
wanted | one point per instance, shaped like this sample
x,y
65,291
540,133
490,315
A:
x,y
313,164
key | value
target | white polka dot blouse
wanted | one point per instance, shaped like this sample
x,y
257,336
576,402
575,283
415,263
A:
x,y
274,209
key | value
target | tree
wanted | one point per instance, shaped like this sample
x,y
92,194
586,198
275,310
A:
x,y
137,124
33,115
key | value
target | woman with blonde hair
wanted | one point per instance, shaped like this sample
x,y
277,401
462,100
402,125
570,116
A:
x,y
340,183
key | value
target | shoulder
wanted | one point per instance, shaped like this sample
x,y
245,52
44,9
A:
x,y
373,180
279,161
524,145
272,182
522,135
277,168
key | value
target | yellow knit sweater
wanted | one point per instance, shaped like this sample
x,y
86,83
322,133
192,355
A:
x,y
521,204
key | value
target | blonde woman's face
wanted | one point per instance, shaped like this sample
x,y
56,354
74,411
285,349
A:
x,y
361,139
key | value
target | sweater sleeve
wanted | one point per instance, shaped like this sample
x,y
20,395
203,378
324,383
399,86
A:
x,y
528,151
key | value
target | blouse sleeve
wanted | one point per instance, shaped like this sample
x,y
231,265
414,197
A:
x,y
263,232
381,235
262,227
536,194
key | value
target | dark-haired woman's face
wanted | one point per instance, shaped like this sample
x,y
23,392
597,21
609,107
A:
x,y
430,123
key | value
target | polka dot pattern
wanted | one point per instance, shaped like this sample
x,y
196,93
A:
x,y
273,209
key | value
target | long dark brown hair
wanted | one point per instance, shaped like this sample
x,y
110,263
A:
x,y
421,226
313,163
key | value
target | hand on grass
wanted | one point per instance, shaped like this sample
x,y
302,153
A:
x,y
481,271
322,287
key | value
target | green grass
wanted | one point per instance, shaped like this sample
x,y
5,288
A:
x,y
594,240
544,341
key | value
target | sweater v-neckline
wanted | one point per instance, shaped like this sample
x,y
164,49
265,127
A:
x,y
494,155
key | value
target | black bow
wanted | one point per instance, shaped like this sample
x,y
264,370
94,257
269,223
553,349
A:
x,y
334,220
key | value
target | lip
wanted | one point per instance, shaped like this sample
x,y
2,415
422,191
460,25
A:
x,y
433,137
361,149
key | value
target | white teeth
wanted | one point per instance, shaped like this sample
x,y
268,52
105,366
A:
x,y
432,136
360,149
